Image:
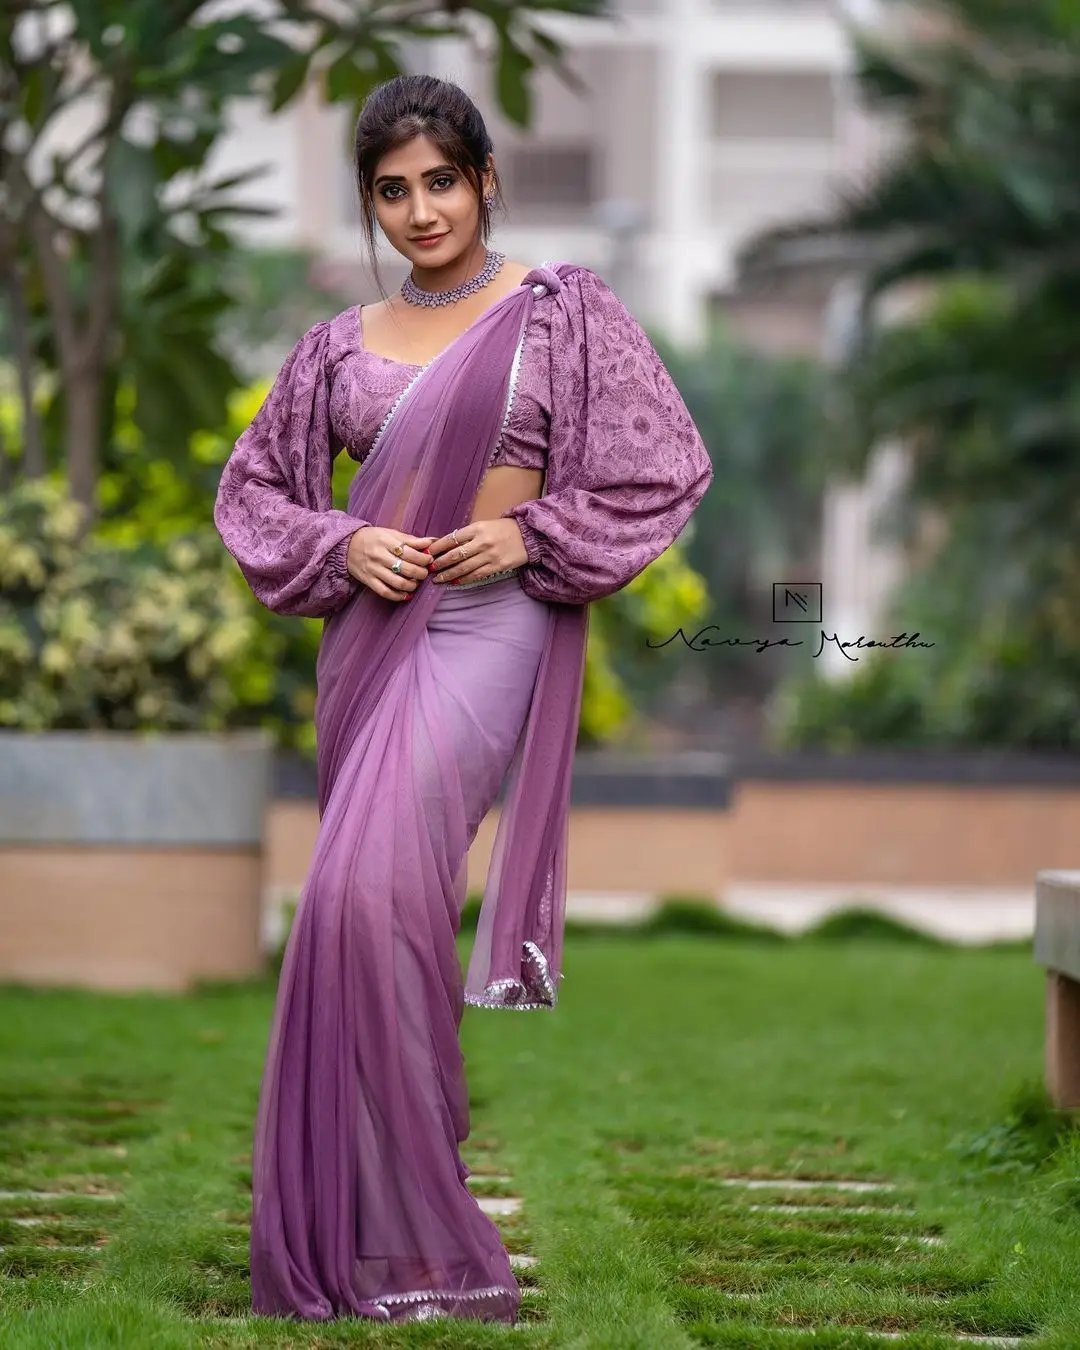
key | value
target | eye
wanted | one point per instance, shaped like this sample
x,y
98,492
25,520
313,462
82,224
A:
x,y
448,178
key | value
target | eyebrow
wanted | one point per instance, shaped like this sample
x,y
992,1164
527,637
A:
x,y
400,178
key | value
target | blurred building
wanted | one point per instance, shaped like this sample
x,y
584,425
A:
x,y
700,123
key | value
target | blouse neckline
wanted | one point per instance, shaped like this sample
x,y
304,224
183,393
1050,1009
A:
x,y
416,365
405,365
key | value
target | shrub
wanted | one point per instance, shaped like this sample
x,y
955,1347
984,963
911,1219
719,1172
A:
x,y
95,635
155,511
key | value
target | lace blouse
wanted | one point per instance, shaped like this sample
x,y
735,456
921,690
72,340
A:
x,y
624,464
364,387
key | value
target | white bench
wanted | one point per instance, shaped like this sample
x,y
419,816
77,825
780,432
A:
x,y
1057,948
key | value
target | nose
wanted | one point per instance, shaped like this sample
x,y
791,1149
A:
x,y
420,212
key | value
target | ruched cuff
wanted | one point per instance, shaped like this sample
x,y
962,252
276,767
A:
x,y
337,562
532,539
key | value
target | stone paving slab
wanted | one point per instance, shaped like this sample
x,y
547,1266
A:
x,y
963,914
58,1195
843,1210
957,1337
499,1204
38,1222
961,1337
805,1184
63,1249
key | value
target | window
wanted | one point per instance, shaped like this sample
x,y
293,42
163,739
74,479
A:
x,y
774,148
557,177
772,106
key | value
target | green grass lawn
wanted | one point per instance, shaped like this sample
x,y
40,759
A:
x,y
673,1064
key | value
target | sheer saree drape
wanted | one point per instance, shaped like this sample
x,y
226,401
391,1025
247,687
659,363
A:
x,y
360,1202
359,1197
422,475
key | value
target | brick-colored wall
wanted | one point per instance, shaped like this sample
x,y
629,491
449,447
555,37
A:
x,y
157,917
802,832
129,918
902,834
611,849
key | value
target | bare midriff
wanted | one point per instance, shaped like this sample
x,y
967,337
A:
x,y
504,486
401,333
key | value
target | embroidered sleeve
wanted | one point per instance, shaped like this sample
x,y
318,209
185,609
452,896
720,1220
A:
x,y
274,508
632,464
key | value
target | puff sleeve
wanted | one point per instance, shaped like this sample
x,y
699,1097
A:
x,y
626,464
274,507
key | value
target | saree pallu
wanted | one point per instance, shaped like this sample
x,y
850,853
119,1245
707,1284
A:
x,y
360,1204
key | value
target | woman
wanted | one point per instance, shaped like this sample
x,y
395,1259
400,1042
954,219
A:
x,y
522,452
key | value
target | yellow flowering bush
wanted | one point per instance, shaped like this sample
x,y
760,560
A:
x,y
97,635
666,596
151,625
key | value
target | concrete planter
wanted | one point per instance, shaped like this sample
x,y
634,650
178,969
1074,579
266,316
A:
x,y
131,861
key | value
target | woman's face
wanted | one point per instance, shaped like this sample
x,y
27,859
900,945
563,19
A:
x,y
416,194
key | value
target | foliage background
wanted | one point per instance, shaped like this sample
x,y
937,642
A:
x,y
149,603
965,350
134,321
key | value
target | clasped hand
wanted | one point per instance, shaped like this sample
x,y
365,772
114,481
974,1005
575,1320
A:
x,y
488,546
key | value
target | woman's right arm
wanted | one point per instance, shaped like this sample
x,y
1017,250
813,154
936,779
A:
x,y
274,508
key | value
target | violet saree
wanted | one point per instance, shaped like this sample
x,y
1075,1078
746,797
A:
x,y
359,1198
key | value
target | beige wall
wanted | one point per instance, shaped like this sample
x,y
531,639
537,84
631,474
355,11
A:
x,y
803,833
129,918
160,918
610,850
614,115
907,834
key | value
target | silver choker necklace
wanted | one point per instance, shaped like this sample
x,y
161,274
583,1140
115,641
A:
x,y
415,296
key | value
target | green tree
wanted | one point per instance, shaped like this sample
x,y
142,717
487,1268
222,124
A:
x,y
102,231
764,419
972,224
151,504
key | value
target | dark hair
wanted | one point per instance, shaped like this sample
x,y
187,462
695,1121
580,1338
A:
x,y
407,106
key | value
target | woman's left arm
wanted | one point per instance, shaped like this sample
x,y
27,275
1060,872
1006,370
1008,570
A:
x,y
634,464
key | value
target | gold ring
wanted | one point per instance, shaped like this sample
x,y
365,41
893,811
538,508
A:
x,y
461,554
453,536
397,552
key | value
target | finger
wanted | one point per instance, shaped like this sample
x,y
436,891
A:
x,y
415,571
414,557
406,584
398,583
382,589
454,567
452,558
459,571
393,544
447,542
414,563
416,541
